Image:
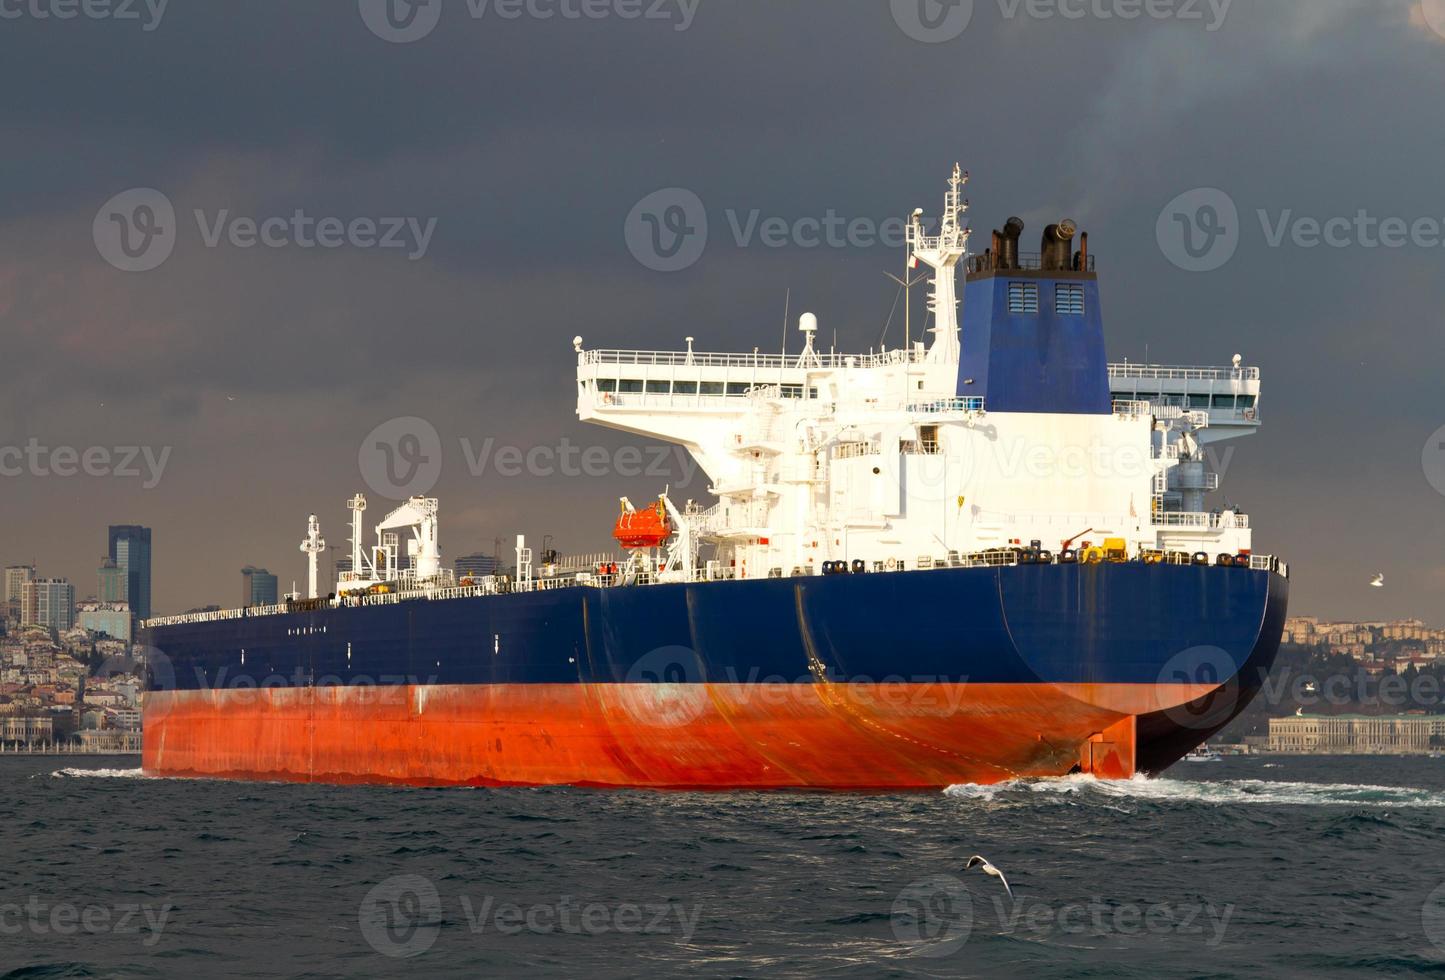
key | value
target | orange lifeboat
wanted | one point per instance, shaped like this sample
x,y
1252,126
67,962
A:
x,y
646,528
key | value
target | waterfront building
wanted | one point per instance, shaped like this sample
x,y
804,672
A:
x,y
1357,734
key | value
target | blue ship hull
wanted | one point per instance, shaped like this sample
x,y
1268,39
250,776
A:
x,y
1040,660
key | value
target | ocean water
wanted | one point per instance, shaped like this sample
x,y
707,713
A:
x,y
1244,868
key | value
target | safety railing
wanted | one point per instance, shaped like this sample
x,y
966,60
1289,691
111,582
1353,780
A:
x,y
764,362
1164,372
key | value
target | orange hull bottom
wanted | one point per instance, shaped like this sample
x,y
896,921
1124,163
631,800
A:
x,y
655,736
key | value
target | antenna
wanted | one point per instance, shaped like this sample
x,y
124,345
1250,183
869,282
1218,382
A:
x,y
787,309
905,287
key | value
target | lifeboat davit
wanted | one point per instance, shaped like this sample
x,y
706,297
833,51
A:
x,y
646,528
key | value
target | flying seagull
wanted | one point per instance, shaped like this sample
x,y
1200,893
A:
x,y
1378,582
990,870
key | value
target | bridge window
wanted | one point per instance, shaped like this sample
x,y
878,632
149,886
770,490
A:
x,y
791,391
710,388
1023,298
684,387
1069,299
1247,401
1198,401
630,387
659,387
607,384
1223,401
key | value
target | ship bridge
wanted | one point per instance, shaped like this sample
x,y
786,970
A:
x,y
1228,397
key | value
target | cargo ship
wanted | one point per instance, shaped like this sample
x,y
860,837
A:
x,y
982,555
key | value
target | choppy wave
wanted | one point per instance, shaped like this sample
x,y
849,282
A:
x,y
100,773
1217,792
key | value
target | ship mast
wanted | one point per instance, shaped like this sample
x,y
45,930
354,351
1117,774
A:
x,y
312,545
942,253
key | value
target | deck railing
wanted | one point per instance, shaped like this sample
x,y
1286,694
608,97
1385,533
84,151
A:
x,y
1166,372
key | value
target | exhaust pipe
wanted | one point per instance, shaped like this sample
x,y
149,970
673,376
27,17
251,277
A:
x,y
1009,257
1058,245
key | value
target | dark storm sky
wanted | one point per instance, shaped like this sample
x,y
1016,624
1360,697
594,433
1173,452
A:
x,y
529,140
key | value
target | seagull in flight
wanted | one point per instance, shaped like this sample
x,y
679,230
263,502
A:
x,y
1378,582
990,870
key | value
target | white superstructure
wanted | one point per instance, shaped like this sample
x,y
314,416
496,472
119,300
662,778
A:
x,y
874,458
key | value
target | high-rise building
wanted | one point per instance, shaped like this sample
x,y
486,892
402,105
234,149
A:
x,y
130,549
258,587
15,577
111,584
48,602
